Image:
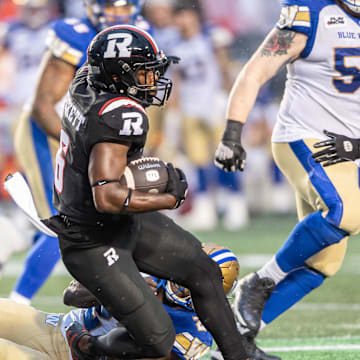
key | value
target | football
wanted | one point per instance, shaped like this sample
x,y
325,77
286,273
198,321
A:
x,y
147,174
227,261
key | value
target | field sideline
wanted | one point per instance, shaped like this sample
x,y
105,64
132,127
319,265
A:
x,y
325,325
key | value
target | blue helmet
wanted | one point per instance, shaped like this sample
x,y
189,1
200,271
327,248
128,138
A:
x,y
229,267
353,5
104,13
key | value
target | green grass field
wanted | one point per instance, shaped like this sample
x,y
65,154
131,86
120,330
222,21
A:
x,y
325,325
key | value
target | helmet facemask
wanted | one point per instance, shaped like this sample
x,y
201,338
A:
x,y
178,295
353,5
126,79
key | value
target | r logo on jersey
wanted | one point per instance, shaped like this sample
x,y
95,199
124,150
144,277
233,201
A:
x,y
111,256
116,48
132,124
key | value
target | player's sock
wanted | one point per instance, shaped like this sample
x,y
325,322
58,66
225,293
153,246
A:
x,y
308,237
272,270
39,263
288,292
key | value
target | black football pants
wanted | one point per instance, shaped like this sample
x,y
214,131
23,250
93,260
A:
x,y
107,261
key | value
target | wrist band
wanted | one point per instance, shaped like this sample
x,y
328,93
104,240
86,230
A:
x,y
233,131
103,182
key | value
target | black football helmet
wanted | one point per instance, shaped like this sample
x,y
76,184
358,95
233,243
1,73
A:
x,y
116,57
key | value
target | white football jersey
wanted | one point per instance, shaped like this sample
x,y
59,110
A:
x,y
27,46
200,76
323,85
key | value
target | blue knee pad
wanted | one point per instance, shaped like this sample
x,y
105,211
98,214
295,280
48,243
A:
x,y
39,264
308,237
290,291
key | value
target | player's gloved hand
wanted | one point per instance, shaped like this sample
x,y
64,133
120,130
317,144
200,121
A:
x,y
177,184
230,155
337,149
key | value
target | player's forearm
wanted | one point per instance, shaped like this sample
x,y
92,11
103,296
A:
x,y
243,95
117,199
144,202
47,119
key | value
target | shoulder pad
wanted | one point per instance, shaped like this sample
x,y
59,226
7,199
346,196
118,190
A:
x,y
120,103
125,116
69,38
295,15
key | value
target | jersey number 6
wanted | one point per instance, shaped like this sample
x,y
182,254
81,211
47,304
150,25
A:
x,y
60,161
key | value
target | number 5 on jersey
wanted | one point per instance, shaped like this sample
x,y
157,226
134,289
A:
x,y
60,161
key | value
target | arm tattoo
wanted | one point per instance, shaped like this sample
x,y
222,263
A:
x,y
279,43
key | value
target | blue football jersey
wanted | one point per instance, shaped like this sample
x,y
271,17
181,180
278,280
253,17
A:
x,y
69,39
192,338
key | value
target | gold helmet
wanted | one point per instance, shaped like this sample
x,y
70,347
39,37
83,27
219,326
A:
x,y
229,267
227,261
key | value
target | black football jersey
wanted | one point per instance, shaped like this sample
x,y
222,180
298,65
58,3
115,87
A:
x,y
92,116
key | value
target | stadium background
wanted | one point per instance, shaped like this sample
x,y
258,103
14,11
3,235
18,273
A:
x,y
326,325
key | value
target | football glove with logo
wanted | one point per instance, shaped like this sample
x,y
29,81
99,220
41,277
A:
x,y
230,155
337,149
177,184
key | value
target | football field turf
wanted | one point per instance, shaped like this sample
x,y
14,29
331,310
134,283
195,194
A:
x,y
325,325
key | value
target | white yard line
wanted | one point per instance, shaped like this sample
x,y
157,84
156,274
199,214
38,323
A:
x,y
312,348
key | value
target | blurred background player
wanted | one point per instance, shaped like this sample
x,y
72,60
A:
x,y
37,132
38,335
198,97
321,85
22,43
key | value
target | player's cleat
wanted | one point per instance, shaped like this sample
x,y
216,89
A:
x,y
256,353
251,294
74,332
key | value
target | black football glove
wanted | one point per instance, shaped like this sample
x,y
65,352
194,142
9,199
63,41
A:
x,y
230,155
337,149
177,184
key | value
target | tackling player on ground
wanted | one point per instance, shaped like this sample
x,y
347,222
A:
x,y
29,334
320,44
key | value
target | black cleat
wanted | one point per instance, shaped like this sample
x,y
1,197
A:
x,y
74,332
255,353
251,294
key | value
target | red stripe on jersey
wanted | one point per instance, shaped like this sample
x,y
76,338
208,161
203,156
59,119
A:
x,y
133,104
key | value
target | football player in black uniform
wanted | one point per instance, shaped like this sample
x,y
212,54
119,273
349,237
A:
x,y
107,233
